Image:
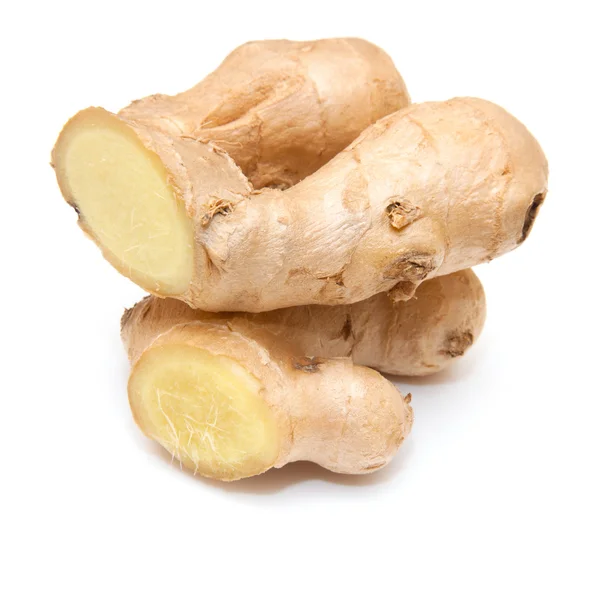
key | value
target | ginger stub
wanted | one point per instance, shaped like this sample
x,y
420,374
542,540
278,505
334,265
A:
x,y
230,401
429,190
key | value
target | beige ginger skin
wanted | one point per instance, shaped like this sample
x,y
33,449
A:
x,y
281,109
428,190
418,337
229,400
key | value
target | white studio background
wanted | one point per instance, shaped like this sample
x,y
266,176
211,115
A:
x,y
494,495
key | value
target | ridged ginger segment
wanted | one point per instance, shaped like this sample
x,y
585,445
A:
x,y
231,401
430,189
421,336
279,109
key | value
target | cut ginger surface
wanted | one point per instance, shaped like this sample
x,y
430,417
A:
x,y
125,203
206,410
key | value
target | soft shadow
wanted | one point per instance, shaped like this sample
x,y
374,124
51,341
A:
x,y
277,480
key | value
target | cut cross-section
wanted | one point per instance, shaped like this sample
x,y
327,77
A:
x,y
125,201
206,410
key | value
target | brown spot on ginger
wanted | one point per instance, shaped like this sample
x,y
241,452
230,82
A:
x,y
308,364
217,206
401,212
457,343
410,266
346,331
531,215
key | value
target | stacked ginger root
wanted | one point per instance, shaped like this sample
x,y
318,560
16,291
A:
x,y
298,184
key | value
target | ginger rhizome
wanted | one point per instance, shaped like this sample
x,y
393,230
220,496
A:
x,y
418,337
233,394
428,190
229,400
280,109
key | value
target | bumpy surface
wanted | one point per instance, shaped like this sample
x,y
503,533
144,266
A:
x,y
418,337
281,110
429,190
231,401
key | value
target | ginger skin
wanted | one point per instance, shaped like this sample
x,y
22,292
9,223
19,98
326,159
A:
x,y
229,400
418,337
281,109
431,189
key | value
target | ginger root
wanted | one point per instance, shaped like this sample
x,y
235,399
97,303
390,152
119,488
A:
x,y
229,400
280,109
431,189
418,337
231,395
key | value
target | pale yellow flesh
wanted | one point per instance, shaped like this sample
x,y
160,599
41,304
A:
x,y
126,203
206,410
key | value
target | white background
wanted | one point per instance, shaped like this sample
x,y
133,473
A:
x,y
494,495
